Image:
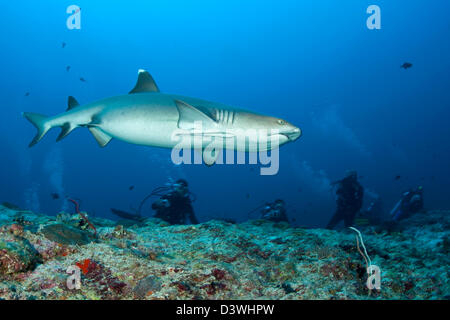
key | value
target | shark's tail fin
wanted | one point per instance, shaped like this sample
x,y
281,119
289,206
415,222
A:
x,y
38,121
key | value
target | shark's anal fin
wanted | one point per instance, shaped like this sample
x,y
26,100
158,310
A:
x,y
145,83
65,130
72,103
102,138
188,115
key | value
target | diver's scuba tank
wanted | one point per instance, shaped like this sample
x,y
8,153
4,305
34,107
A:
x,y
395,211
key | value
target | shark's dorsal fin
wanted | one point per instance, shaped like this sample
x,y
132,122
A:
x,y
145,83
189,115
72,103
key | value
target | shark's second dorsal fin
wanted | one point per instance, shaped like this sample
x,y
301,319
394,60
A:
x,y
145,83
72,103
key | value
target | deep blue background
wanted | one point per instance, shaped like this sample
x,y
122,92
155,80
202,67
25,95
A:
x,y
314,63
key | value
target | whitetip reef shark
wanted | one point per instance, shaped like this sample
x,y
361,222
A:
x,y
148,117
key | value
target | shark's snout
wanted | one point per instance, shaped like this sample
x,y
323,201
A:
x,y
293,134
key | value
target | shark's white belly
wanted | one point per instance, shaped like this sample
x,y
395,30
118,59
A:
x,y
149,125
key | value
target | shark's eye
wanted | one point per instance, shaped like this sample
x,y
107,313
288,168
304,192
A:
x,y
281,122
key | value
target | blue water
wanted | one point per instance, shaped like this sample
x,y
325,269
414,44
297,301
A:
x,y
313,63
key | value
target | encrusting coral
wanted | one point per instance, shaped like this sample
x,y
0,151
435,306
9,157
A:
x,y
219,260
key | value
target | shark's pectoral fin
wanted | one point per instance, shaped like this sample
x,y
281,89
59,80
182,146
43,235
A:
x,y
65,130
102,138
189,115
145,83
72,103
212,151
210,156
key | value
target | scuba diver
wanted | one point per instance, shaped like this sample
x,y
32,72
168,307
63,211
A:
x,y
174,204
349,200
175,207
275,212
410,203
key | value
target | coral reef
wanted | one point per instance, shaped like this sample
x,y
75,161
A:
x,y
16,253
219,260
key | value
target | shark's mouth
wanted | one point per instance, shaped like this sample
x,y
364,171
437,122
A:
x,y
292,135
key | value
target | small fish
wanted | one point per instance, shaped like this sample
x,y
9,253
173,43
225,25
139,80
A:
x,y
82,79
63,45
130,188
68,68
27,94
55,196
397,177
247,196
406,65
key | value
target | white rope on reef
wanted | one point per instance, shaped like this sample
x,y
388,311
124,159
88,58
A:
x,y
369,267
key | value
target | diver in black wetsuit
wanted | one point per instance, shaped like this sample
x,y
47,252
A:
x,y
275,212
349,200
175,207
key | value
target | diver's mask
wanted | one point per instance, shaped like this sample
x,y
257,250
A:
x,y
179,188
